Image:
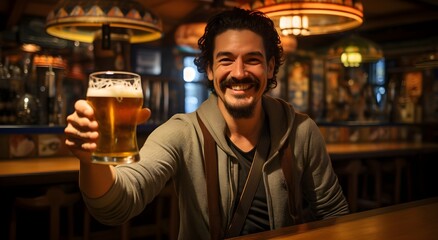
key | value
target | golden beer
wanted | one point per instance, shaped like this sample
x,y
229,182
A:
x,y
116,98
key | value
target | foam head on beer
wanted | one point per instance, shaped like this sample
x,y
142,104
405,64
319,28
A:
x,y
114,84
116,98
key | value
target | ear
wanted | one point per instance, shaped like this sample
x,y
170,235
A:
x,y
271,65
209,73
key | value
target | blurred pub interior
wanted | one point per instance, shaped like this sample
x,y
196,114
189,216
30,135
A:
x,y
372,89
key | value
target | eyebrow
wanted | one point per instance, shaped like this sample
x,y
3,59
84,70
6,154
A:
x,y
255,53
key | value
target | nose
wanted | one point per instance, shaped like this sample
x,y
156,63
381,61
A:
x,y
238,70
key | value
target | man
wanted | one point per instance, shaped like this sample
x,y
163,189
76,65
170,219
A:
x,y
241,54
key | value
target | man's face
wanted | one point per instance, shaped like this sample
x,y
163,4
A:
x,y
240,71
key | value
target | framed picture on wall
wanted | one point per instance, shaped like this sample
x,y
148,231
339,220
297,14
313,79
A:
x,y
317,103
335,95
298,79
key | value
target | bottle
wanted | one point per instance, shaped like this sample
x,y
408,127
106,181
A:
x,y
27,105
50,81
16,89
27,110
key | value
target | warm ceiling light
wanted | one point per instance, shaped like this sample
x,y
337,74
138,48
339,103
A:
x,y
354,50
299,17
294,25
47,60
83,21
188,34
351,57
30,47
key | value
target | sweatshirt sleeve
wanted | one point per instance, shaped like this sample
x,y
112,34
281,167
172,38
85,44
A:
x,y
320,184
137,184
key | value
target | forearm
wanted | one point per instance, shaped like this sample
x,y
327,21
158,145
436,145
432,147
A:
x,y
96,179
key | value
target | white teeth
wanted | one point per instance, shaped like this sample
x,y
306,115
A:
x,y
240,87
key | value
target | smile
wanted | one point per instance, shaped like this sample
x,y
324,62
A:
x,y
240,87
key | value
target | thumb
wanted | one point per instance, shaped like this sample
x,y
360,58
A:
x,y
143,115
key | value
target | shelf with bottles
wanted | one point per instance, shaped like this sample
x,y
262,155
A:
x,y
31,86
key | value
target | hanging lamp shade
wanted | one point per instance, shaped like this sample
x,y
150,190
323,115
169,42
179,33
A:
x,y
303,17
79,20
188,33
354,50
187,36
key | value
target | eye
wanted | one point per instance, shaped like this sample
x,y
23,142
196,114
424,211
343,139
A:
x,y
253,61
225,60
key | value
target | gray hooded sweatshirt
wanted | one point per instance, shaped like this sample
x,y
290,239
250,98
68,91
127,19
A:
x,y
174,151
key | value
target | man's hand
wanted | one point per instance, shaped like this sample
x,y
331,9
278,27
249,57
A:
x,y
81,131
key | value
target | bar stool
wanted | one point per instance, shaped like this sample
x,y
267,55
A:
x,y
54,199
394,167
351,170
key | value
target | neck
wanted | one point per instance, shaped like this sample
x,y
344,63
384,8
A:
x,y
245,132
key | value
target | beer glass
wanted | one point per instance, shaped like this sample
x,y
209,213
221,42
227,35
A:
x,y
116,98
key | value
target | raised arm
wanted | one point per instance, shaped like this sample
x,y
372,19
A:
x,y
81,137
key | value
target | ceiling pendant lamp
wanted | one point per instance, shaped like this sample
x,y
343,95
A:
x,y
187,34
294,25
83,21
354,50
307,17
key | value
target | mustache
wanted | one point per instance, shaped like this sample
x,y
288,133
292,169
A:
x,y
230,81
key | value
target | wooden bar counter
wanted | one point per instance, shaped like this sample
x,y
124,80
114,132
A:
x,y
341,151
414,220
62,169
20,172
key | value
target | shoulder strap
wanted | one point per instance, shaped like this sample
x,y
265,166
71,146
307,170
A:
x,y
211,174
250,188
212,177
294,195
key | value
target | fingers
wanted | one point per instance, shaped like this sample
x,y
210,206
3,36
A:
x,y
143,115
80,139
84,109
81,130
83,117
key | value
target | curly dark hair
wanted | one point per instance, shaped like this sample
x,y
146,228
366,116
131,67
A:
x,y
240,19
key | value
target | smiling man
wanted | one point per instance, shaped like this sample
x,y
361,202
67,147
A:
x,y
242,163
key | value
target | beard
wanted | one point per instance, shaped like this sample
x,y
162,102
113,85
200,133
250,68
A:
x,y
240,112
